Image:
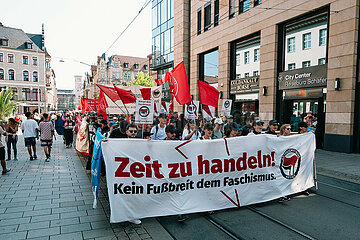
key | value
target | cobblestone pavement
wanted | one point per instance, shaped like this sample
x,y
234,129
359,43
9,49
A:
x,y
53,200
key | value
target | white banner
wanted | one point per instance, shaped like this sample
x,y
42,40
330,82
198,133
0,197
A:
x,y
206,114
144,113
161,178
192,110
226,107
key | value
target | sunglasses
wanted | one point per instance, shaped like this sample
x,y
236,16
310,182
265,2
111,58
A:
x,y
288,128
133,131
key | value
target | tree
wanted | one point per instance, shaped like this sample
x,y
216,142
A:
x,y
143,80
6,105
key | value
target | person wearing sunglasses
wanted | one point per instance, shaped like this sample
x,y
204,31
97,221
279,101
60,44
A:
x,y
170,132
131,131
285,130
273,127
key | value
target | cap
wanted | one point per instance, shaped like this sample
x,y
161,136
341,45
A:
x,y
218,121
235,126
170,129
208,126
114,118
230,117
273,122
162,115
303,124
258,122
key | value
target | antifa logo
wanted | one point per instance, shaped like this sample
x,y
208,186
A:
x,y
156,93
227,104
191,108
144,111
290,163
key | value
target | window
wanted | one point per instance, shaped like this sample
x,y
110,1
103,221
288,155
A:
x,y
321,61
11,74
35,95
199,22
163,14
47,64
257,2
15,96
26,94
10,58
35,77
257,55
117,75
216,13
4,42
244,6
209,67
114,75
306,64
116,65
256,73
291,44
247,75
126,65
28,45
238,59
306,41
25,60
26,76
207,17
231,8
102,75
238,76
322,37
136,66
2,75
1,57
291,66
146,67
102,64
246,57
36,63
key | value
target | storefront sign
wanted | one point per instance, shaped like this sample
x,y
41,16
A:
x,y
244,85
315,76
303,93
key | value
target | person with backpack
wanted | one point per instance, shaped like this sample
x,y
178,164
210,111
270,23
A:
x,y
158,130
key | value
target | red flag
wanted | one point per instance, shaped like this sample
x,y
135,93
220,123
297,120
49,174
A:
x,y
90,104
110,92
179,86
208,95
81,106
102,105
145,93
126,96
85,106
165,78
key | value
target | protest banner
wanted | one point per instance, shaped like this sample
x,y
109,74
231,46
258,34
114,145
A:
x,y
96,166
82,138
144,113
226,107
162,178
192,110
208,112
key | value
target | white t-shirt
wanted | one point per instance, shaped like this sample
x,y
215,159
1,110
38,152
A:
x,y
29,126
159,134
195,136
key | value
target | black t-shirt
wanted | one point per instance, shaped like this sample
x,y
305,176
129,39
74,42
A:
x,y
269,132
117,134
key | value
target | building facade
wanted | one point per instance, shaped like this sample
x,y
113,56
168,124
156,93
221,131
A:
x,y
278,60
66,100
117,69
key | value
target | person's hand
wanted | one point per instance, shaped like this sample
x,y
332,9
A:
x,y
105,140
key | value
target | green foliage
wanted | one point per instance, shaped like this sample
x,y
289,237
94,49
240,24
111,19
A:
x,y
6,105
143,80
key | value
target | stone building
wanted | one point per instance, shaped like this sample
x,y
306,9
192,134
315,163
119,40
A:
x,y
24,65
277,59
117,69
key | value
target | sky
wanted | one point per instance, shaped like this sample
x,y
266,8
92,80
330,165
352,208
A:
x,y
80,30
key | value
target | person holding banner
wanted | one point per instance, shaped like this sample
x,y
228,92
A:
x,y
232,130
191,131
208,130
273,126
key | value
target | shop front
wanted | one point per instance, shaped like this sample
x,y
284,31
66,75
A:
x,y
245,95
304,93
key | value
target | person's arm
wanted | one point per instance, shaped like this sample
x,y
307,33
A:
x,y
190,134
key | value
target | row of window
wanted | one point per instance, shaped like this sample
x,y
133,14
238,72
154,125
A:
x,y
27,94
306,64
116,75
126,65
25,59
5,42
207,16
306,41
256,57
26,75
244,5
255,73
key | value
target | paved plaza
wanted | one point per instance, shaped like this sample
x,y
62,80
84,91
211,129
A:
x,y
40,200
